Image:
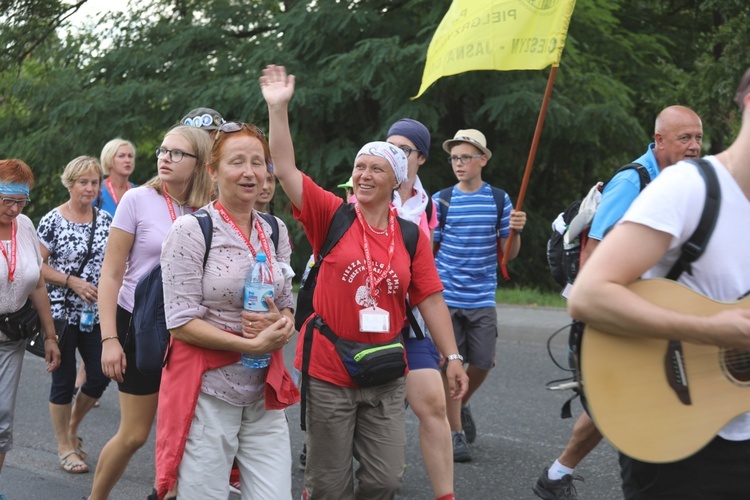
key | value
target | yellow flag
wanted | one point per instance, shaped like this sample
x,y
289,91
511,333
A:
x,y
497,35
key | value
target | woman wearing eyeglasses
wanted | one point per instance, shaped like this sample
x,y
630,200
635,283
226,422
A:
x,y
213,408
73,237
142,220
362,287
21,282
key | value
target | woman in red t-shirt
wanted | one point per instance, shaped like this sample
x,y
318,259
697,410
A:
x,y
361,292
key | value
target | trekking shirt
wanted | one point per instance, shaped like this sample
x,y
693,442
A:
x,y
620,192
467,258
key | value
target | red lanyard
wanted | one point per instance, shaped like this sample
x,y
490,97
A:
x,y
261,235
366,246
108,183
170,206
12,259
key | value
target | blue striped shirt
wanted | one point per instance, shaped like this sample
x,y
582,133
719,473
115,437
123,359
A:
x,y
467,259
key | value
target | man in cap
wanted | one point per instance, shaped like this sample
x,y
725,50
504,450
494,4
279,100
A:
x,y
479,218
424,386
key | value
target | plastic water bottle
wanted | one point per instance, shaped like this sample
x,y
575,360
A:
x,y
258,286
88,314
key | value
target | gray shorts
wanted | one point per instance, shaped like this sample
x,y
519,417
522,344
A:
x,y
476,335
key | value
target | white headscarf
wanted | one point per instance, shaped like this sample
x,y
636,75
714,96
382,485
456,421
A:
x,y
395,157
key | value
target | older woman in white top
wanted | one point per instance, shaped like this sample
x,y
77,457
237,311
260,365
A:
x,y
20,281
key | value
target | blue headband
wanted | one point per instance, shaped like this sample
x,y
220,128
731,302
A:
x,y
11,188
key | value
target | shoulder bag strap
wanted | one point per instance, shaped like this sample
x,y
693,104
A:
x,y
85,259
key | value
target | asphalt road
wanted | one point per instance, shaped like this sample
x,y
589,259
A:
x,y
519,430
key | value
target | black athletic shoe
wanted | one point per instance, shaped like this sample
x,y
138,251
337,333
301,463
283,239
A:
x,y
467,422
556,489
461,451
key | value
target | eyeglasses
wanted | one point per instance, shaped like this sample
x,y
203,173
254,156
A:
x,y
407,150
232,127
9,202
174,154
464,159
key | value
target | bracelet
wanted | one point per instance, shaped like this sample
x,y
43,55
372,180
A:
x,y
451,357
66,281
109,338
50,338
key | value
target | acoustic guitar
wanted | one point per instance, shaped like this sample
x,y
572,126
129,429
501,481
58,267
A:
x,y
661,401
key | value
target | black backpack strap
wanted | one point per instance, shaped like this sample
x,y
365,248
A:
x,y
429,208
643,176
410,234
207,227
305,376
694,247
444,202
274,223
499,196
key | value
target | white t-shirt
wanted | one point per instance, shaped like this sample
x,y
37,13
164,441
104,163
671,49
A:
x,y
673,203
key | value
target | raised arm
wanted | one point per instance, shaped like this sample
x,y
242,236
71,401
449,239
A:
x,y
278,89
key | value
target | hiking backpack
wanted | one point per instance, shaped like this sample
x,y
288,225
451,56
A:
x,y
571,228
149,320
690,251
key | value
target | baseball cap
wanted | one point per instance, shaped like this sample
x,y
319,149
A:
x,y
205,118
347,185
471,136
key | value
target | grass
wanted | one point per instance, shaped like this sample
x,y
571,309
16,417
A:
x,y
529,297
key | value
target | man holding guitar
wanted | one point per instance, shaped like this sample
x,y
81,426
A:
x,y
700,343
678,134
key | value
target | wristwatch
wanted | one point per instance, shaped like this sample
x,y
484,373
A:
x,y
451,357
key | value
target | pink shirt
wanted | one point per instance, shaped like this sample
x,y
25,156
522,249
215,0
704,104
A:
x,y
143,213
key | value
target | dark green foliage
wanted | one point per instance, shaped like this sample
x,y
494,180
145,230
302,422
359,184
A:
x,y
357,64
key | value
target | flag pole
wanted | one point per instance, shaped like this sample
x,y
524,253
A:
x,y
530,163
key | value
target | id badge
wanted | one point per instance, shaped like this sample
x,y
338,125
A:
x,y
374,320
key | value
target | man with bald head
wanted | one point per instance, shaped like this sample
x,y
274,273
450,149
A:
x,y
678,135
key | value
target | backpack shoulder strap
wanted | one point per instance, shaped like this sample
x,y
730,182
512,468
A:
x,y
207,227
643,176
342,219
410,234
694,247
274,223
499,196
444,198
429,208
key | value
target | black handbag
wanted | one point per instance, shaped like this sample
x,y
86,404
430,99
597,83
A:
x,y
21,324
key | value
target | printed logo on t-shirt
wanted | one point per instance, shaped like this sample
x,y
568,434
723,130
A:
x,y
357,270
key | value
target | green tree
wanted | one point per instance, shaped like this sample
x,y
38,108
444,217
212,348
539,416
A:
x,y
357,64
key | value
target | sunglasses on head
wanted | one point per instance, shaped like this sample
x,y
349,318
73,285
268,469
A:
x,y
231,127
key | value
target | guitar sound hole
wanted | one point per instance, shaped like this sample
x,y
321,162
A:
x,y
737,363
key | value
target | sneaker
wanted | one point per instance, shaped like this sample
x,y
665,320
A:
x,y
461,451
303,457
556,489
467,422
